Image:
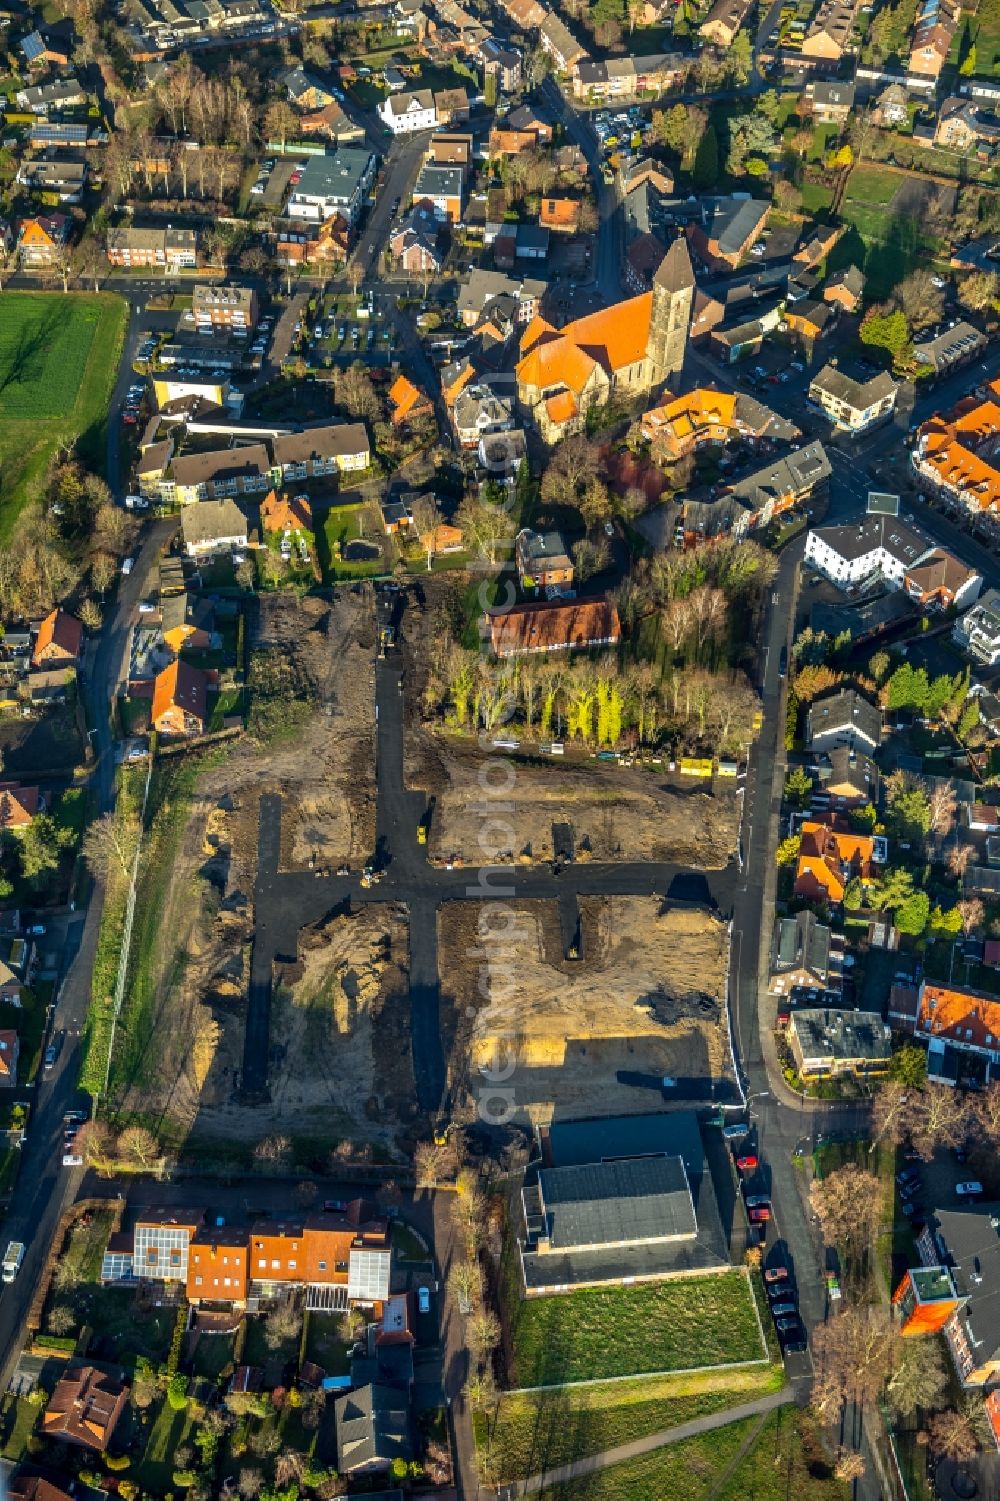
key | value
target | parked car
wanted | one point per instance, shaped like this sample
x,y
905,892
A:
x,y
778,1291
784,1310
747,1163
760,1214
832,1287
423,1300
754,1201
49,1061
776,1274
968,1190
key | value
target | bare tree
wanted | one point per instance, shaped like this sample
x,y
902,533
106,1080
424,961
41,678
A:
x,y
854,1356
958,860
939,1119
973,913
951,1435
139,1146
891,1114
850,1465
943,804
849,1205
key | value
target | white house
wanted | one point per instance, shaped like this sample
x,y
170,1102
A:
x,y
852,405
332,184
844,718
873,548
405,113
978,631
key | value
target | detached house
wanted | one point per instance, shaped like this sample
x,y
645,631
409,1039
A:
x,y
41,241
831,855
978,631
801,955
827,1044
402,114
854,405
84,1409
542,560
941,582
844,718
180,695
59,641
724,21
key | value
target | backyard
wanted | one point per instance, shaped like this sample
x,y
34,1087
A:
x,y
673,1326
58,362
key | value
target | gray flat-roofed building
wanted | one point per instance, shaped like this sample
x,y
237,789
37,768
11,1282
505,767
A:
x,y
601,1204
332,184
825,1042
673,1133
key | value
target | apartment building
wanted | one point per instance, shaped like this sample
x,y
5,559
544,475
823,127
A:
x,y
625,78
827,1044
167,249
224,307
853,406
977,632
336,448
877,549
333,184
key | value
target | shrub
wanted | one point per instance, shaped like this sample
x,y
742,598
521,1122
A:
x,y
177,1340
115,1461
184,1478
177,1392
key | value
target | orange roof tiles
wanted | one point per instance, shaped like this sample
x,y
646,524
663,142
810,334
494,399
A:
x,y
962,1014
406,399
559,213
284,514
613,337
829,855
181,687
685,415
562,406
59,636
960,449
554,627
18,805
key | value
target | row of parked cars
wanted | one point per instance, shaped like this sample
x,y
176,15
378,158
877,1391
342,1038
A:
x,y
778,1280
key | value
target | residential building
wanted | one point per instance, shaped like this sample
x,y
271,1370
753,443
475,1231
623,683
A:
x,y
218,1268
950,350
333,184
620,79
978,631
35,1488
407,402
892,106
59,641
845,288
707,418
451,148
877,549
373,1429
18,807
810,320
171,249
39,49
318,452
481,409
831,102
42,240
954,457
10,991
326,243
955,1288
727,229
630,348
963,126
782,483
215,474
843,718
50,98
830,856
305,90
416,242
56,175
828,1044
210,526
441,188
723,21
559,43
829,32
942,582
84,1409
560,215
961,1029
450,105
542,561
934,29
501,61
530,118
577,626
160,1247
528,15
224,306
502,454
480,288
402,114
816,246
854,405
848,778
180,700
801,956
186,621
282,513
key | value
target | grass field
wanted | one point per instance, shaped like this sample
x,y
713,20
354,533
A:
x,y
526,1434
58,363
670,1326
871,185
769,1461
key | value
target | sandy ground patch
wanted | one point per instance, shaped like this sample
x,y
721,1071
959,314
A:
x,y
647,997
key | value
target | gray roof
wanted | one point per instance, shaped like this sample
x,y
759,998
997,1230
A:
x,y
330,441
731,221
849,765
439,182
480,286
856,393
372,1424
796,473
873,532
801,942
968,1241
868,618
841,1035
957,343
617,1203
185,609
560,38
841,710
675,272
543,547
337,176
221,464
673,1133
834,93
208,520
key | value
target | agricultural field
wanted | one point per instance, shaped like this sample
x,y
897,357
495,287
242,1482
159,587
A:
x,y
58,363
596,1334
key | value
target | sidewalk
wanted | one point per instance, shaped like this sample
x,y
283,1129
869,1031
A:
x,y
595,1462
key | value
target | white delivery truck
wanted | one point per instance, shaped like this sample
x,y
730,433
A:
x,y
13,1257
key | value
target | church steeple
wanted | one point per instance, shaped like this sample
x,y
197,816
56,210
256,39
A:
x,y
673,294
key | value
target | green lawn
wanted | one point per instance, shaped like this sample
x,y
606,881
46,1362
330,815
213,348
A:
x,y
167,1432
325,1345
816,197
213,1353
58,362
670,1326
822,137
526,1434
86,1244
871,185
407,1245
782,1459
19,1418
